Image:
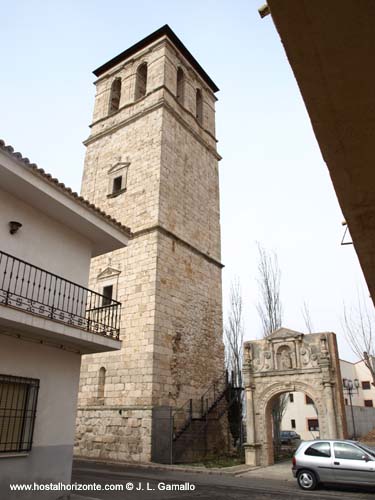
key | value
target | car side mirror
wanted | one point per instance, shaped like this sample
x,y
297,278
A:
x,y
365,458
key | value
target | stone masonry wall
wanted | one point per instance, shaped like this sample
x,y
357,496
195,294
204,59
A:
x,y
113,433
188,349
189,188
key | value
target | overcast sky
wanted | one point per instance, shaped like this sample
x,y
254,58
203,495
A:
x,y
275,187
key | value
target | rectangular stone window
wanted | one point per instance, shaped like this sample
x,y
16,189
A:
x,y
18,399
107,295
117,184
366,384
293,423
369,403
308,400
291,398
117,179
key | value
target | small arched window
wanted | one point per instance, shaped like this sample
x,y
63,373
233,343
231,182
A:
x,y
199,106
180,86
115,96
141,81
101,383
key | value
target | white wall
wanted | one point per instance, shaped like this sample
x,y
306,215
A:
x,y
363,374
58,371
50,458
348,370
300,412
43,241
358,371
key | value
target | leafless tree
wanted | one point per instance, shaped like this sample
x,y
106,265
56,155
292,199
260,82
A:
x,y
359,327
270,311
307,317
234,333
269,306
233,342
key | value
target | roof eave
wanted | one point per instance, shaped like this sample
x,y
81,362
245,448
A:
x,y
156,35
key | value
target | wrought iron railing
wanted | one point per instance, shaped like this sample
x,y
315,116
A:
x,y
36,291
199,408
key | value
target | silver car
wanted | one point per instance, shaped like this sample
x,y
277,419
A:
x,y
333,461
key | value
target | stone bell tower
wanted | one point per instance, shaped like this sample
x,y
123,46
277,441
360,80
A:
x,y
152,163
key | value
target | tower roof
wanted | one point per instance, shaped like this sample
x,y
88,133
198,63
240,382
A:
x,y
163,31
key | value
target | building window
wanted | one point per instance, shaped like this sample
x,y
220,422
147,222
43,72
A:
x,y
101,383
199,106
180,86
141,81
293,423
312,424
107,295
346,401
291,398
117,179
369,403
366,385
308,400
115,96
18,399
117,184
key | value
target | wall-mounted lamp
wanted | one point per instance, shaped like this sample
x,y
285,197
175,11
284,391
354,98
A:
x,y
14,226
264,11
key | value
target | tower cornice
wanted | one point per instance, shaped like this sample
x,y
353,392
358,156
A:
x,y
164,31
159,228
159,104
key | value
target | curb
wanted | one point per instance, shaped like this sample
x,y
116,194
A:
x,y
231,471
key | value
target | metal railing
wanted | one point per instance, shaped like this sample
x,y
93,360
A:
x,y
199,408
39,292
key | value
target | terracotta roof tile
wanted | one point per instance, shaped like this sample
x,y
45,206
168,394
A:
x,y
67,190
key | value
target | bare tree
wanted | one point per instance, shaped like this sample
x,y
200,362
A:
x,y
270,312
359,327
233,342
234,333
307,317
269,306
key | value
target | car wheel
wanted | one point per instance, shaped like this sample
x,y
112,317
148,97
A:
x,y
307,480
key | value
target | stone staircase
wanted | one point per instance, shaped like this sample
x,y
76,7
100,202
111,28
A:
x,y
199,426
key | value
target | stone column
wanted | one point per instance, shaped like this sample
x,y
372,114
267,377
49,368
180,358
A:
x,y
251,447
250,416
330,411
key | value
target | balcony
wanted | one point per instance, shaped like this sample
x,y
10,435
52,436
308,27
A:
x,y
39,293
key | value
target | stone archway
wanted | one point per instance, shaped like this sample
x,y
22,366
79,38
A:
x,y
289,361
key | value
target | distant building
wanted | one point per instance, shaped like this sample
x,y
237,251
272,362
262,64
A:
x,y
48,318
301,415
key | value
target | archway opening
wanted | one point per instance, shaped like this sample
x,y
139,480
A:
x,y
141,81
291,417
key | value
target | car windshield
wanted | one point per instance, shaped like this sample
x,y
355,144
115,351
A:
x,y
370,451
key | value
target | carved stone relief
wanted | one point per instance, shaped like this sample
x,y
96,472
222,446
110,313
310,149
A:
x,y
289,361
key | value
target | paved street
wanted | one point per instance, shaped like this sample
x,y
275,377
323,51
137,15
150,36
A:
x,y
261,484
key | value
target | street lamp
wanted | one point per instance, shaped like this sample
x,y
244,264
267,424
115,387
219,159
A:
x,y
351,388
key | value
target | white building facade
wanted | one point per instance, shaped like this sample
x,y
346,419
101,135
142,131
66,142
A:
x,y
301,416
48,318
